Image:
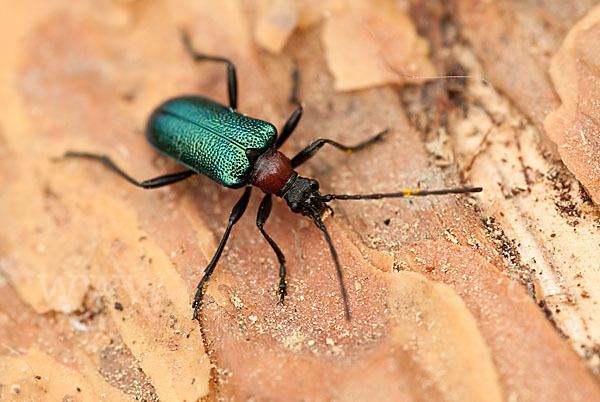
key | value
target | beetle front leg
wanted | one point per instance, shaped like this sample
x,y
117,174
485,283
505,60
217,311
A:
x,y
236,213
263,214
231,74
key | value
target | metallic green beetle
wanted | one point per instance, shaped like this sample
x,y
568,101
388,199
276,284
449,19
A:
x,y
235,151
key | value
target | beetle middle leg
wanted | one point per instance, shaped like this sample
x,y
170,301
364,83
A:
x,y
263,214
236,213
313,148
231,74
159,181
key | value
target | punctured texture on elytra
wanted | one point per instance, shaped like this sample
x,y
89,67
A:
x,y
209,138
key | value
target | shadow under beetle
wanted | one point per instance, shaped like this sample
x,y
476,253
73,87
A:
x,y
236,151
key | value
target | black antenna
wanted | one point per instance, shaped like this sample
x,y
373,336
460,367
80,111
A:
x,y
400,194
403,193
320,225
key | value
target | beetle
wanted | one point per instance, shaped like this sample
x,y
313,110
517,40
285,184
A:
x,y
237,151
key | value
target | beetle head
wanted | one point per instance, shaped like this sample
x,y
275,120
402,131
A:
x,y
302,197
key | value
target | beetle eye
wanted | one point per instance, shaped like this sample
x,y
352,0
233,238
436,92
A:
x,y
294,207
314,185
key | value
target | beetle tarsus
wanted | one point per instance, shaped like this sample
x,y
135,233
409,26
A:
x,y
196,304
282,288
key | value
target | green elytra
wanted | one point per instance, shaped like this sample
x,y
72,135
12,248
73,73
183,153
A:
x,y
209,138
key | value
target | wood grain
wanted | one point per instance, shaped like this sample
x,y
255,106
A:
x,y
444,296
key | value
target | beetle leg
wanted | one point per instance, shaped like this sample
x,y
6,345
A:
x,y
231,75
263,214
313,148
289,127
159,181
236,213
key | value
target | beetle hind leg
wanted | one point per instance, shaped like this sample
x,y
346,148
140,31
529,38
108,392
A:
x,y
156,182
